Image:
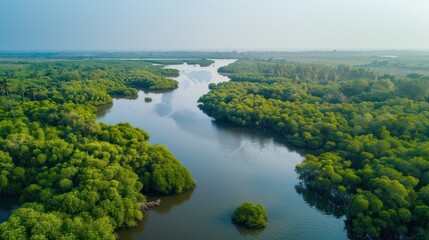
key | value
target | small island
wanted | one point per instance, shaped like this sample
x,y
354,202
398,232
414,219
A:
x,y
250,215
148,99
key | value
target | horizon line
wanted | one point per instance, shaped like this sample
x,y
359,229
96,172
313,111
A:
x,y
211,50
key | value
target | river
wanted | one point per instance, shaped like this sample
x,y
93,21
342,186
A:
x,y
230,165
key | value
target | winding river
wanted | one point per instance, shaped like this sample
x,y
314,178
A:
x,y
230,165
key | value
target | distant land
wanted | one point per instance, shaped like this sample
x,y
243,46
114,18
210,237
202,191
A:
x,y
398,62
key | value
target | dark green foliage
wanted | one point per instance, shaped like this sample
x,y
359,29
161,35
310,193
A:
x,y
250,215
77,178
369,137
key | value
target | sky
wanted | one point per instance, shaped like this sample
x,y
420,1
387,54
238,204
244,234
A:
x,y
142,25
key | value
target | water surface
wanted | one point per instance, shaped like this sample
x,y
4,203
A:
x,y
229,164
7,205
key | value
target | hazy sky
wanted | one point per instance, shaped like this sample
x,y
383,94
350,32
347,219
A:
x,y
213,24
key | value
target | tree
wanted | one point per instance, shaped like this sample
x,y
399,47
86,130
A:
x,y
22,90
250,215
34,92
6,88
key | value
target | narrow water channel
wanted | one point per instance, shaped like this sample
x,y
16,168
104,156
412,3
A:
x,y
230,165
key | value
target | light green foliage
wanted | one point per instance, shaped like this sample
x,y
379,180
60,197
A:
x,y
250,215
168,176
369,135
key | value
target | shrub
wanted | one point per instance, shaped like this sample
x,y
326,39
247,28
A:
x,y
250,215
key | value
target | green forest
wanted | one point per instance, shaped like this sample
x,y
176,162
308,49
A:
x,y
77,178
368,134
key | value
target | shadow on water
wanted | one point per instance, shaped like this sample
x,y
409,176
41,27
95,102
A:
x,y
230,136
146,92
134,97
226,130
7,205
168,202
321,203
104,109
248,231
129,232
225,218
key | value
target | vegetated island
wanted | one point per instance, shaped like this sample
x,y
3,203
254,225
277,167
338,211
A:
x,y
250,215
369,133
77,178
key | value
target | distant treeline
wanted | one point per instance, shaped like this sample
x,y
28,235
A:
x,y
387,61
201,62
397,64
217,54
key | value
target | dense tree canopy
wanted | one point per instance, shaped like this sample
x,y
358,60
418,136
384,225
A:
x,y
369,134
250,215
77,178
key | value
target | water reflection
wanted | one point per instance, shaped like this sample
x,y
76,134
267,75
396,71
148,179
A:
x,y
320,202
225,219
167,98
248,231
134,97
127,234
104,109
162,109
199,76
168,202
230,137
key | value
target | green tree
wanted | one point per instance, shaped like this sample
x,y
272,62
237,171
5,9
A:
x,y
6,88
22,89
250,215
